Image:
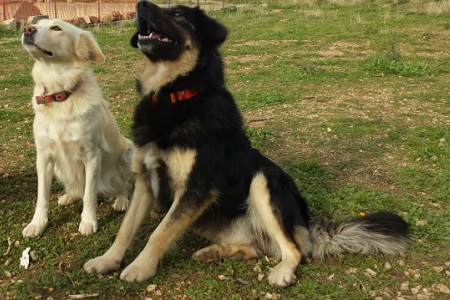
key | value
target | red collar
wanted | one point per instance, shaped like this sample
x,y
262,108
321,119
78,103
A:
x,y
175,96
56,97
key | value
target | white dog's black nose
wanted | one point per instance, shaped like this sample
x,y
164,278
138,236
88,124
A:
x,y
29,29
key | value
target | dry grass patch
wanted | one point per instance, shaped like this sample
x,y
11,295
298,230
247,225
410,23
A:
x,y
312,128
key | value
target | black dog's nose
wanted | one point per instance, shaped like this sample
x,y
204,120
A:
x,y
144,4
29,29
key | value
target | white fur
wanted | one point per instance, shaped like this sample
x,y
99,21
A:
x,y
78,139
352,237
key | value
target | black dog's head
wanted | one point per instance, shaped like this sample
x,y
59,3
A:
x,y
165,33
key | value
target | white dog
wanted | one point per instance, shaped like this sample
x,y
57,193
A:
x,y
76,136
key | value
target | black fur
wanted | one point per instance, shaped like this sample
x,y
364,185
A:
x,y
211,123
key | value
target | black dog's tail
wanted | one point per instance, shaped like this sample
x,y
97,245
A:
x,y
380,232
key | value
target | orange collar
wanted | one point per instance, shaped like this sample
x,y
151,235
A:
x,y
56,97
175,96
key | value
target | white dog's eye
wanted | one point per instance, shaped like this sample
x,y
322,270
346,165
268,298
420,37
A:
x,y
56,28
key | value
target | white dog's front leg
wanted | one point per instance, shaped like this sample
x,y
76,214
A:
x,y
88,224
44,166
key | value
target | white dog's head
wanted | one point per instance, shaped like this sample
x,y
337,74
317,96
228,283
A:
x,y
57,40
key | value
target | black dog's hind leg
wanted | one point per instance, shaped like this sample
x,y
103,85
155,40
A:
x,y
270,224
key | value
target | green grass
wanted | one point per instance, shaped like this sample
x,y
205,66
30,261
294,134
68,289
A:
x,y
350,98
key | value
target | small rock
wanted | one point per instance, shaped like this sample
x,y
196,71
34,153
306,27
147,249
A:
x,y
438,269
435,205
421,223
387,265
151,288
11,24
34,255
404,286
415,290
369,272
442,288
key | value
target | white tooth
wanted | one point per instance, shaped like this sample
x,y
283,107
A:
x,y
150,36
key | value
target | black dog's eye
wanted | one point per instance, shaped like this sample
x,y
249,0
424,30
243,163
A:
x,y
177,13
56,28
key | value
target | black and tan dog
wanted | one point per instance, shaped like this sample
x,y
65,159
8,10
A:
x,y
194,159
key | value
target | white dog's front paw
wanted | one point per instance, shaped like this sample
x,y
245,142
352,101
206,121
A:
x,y
88,226
66,199
34,228
137,272
102,264
281,276
121,203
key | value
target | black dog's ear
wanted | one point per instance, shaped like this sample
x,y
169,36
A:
x,y
209,31
134,40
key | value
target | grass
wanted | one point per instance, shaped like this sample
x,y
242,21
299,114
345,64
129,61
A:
x,y
351,98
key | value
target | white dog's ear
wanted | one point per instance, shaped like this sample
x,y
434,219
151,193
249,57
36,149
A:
x,y
88,49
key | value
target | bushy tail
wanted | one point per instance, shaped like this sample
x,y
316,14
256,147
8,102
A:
x,y
380,232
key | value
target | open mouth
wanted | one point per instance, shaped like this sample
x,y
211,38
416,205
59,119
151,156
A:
x,y
147,32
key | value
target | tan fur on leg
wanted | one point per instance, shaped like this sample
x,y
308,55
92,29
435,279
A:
x,y
259,201
216,252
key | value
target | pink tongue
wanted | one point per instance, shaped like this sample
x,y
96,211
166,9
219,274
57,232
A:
x,y
156,36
